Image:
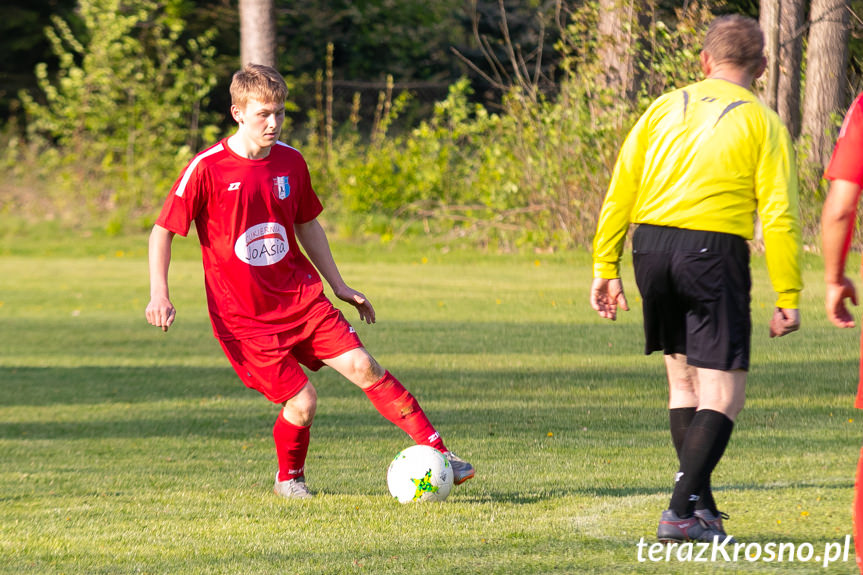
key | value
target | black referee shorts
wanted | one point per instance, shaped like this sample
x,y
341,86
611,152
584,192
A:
x,y
695,289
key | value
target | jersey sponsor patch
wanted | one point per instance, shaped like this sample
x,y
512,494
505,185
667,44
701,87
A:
x,y
281,187
263,244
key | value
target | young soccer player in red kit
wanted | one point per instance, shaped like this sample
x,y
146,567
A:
x,y
251,199
837,226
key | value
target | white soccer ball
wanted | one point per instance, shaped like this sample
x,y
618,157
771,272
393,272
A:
x,y
419,473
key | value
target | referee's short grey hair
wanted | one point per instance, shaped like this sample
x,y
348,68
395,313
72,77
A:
x,y
737,39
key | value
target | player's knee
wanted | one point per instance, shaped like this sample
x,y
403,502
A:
x,y
735,407
366,368
301,415
300,409
681,392
730,405
682,385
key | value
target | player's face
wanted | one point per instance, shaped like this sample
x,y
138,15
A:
x,y
260,122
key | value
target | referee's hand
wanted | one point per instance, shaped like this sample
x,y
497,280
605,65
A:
x,y
606,295
784,321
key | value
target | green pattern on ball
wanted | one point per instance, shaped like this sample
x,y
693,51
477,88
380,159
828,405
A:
x,y
424,485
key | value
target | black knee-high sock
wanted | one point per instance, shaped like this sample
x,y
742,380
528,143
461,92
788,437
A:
x,y
705,442
706,501
679,419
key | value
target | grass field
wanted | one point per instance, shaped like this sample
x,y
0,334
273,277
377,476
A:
x,y
126,450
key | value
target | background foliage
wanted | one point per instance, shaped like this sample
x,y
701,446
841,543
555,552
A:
x,y
469,123
125,103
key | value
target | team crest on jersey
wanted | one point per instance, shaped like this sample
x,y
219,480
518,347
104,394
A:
x,y
281,187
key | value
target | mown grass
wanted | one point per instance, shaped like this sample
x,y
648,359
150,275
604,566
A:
x,y
126,450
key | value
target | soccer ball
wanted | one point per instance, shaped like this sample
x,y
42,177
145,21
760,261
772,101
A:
x,y
419,473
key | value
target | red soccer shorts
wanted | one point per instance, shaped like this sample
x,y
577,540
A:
x,y
270,364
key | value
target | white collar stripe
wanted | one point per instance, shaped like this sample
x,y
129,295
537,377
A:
x,y
281,143
188,174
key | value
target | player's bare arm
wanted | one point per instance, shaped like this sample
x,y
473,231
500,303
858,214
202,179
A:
x,y
160,311
606,295
314,241
837,225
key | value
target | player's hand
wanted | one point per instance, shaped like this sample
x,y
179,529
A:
x,y
606,295
161,313
834,302
359,301
784,321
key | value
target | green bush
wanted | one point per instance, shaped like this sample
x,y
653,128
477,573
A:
x,y
532,175
111,130
535,174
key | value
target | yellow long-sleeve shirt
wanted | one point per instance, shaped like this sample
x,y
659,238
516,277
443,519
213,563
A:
x,y
707,157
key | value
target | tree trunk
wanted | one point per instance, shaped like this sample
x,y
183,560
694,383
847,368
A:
x,y
827,55
769,20
791,29
258,32
619,26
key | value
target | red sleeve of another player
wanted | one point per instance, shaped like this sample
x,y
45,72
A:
x,y
847,160
183,203
309,206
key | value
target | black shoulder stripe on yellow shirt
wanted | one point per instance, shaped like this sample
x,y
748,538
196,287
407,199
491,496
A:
x,y
728,108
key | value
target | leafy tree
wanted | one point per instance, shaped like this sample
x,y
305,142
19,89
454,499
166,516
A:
x,y
501,33
126,99
371,39
22,44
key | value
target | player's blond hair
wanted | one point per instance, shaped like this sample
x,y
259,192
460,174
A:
x,y
736,39
257,82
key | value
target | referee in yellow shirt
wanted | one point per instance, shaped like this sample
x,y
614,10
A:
x,y
692,174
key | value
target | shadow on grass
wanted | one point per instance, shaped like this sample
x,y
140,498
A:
x,y
498,496
138,402
125,337
26,385
609,401
44,386
516,498
614,407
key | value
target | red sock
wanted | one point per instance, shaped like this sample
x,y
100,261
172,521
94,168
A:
x,y
292,444
397,404
858,513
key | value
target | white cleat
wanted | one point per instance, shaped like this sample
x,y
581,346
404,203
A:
x,y
461,469
292,488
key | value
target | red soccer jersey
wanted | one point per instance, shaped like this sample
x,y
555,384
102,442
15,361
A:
x,y
258,281
847,160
